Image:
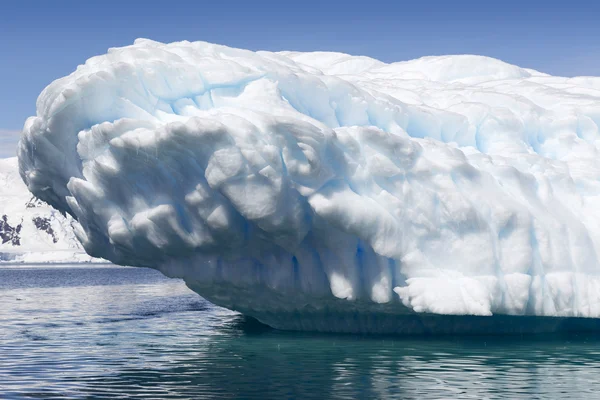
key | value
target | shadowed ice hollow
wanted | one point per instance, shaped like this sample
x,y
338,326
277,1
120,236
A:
x,y
329,192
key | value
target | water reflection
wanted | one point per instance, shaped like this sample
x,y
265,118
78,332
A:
x,y
132,333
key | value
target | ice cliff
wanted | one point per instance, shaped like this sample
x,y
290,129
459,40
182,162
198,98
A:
x,y
330,192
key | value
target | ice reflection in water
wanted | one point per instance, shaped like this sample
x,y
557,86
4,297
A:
x,y
108,332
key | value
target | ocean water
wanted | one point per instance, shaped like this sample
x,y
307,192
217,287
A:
x,y
74,331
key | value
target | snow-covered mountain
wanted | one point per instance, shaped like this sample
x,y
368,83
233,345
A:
x,y
31,230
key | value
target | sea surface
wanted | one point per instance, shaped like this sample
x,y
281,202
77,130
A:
x,y
76,331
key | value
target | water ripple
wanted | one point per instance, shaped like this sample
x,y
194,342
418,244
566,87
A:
x,y
131,333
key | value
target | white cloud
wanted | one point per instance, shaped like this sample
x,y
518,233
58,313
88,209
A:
x,y
8,143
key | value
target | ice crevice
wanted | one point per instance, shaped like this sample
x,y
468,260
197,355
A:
x,y
324,187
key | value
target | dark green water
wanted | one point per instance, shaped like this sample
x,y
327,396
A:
x,y
110,332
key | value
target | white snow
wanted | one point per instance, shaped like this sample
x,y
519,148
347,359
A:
x,y
30,230
290,185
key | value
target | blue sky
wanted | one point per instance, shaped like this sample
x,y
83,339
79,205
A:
x,y
44,40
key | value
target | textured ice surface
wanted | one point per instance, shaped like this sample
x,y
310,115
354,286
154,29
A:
x,y
325,191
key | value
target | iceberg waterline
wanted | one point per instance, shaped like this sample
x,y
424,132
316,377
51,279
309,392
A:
x,y
292,186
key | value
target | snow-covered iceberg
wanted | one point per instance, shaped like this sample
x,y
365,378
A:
x,y
330,192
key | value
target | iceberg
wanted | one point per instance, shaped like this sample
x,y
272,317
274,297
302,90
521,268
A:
x,y
322,191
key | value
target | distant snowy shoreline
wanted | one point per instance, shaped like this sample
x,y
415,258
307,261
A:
x,y
32,232
53,257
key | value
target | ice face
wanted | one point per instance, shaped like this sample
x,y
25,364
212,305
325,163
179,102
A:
x,y
319,190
